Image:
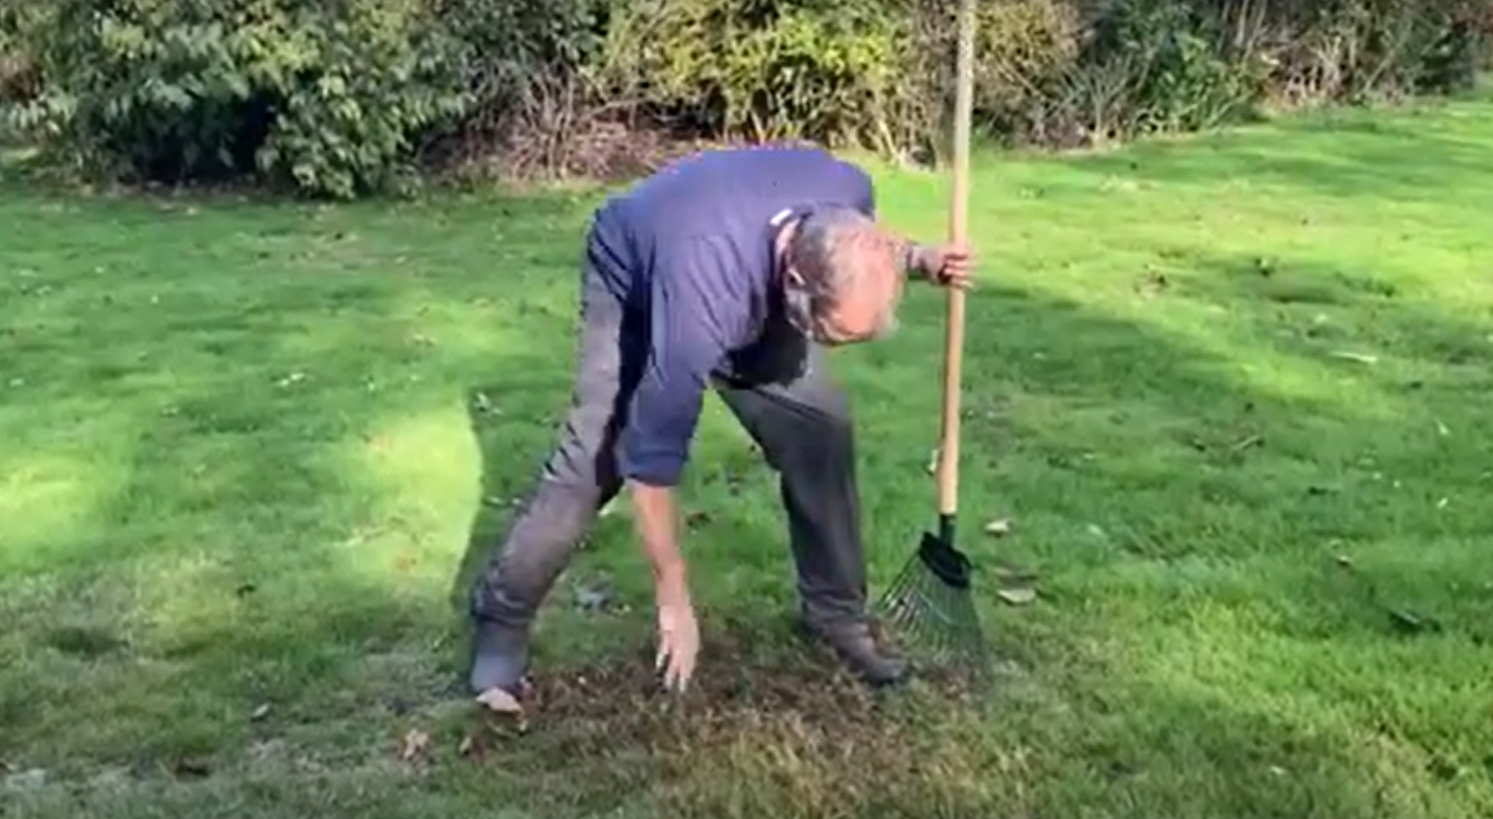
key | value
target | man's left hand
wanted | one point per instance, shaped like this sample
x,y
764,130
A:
x,y
948,265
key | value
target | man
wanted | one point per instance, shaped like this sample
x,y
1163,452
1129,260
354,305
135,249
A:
x,y
728,270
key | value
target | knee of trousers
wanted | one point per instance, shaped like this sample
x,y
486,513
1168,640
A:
x,y
830,438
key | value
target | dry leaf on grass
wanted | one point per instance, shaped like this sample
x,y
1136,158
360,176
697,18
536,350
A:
x,y
415,746
998,528
28,780
1009,576
595,596
192,768
500,702
471,747
1017,597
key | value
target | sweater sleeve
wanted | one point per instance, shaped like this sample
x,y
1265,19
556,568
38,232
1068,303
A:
x,y
689,336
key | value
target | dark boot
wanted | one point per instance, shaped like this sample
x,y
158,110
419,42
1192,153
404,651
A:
x,y
855,645
500,658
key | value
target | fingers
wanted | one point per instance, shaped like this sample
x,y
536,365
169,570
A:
x,y
960,281
680,668
676,658
678,645
957,263
676,679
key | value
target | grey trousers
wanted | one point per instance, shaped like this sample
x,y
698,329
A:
x,y
782,395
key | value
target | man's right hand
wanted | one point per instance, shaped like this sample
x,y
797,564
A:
x,y
678,633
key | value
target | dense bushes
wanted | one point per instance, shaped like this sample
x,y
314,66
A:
x,y
339,97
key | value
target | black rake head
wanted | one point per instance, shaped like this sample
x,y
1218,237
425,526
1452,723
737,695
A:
x,y
929,604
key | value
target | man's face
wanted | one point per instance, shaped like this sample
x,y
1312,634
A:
x,y
865,312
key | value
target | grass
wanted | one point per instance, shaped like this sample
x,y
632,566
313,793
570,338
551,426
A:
x,y
1230,391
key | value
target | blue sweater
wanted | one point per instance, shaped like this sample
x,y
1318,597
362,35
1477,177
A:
x,y
694,246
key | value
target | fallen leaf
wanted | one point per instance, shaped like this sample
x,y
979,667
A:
x,y
111,778
998,528
697,519
933,461
595,596
500,702
1247,442
192,768
261,712
471,747
398,705
1152,283
1410,621
1361,358
1343,561
26,780
1014,577
1017,596
415,746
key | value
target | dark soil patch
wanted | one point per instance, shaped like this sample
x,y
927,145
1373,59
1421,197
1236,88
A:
x,y
765,731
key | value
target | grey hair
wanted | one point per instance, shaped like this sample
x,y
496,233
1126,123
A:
x,y
832,252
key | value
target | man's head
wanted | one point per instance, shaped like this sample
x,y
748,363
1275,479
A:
x,y
843,277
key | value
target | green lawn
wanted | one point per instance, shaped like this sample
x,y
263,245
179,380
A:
x,y
1227,390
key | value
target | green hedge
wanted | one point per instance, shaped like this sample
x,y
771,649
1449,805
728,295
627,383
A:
x,y
344,97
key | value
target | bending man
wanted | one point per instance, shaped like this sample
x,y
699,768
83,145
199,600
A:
x,y
729,270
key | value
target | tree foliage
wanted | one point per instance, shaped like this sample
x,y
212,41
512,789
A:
x,y
345,97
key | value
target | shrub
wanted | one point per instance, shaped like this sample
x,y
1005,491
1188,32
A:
x,y
19,82
1184,79
341,97
326,96
1359,50
537,111
764,69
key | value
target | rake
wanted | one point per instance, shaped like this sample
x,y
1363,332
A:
x,y
929,602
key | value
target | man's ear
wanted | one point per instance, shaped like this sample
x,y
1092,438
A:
x,y
793,277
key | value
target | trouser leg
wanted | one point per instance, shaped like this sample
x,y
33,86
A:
x,y
579,477
805,431
803,425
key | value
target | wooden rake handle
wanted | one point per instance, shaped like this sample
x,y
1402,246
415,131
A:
x,y
948,460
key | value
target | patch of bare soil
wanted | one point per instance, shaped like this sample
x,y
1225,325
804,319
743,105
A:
x,y
761,733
